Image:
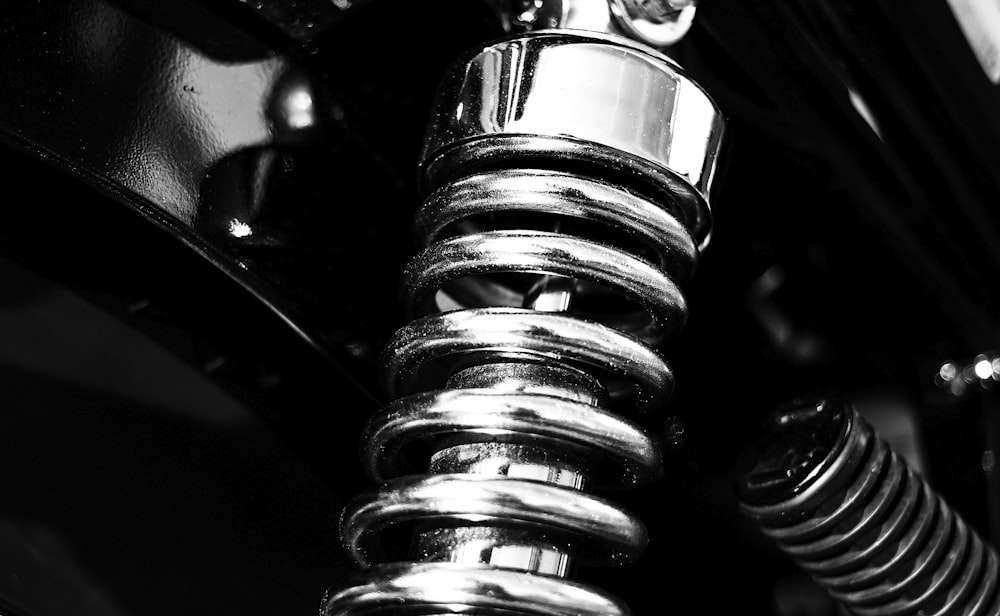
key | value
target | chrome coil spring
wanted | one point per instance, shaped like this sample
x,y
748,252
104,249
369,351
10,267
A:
x,y
853,514
525,342
567,176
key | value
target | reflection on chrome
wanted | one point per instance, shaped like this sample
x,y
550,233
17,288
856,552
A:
x,y
657,23
585,99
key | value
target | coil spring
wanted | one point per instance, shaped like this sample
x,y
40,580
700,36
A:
x,y
853,514
524,340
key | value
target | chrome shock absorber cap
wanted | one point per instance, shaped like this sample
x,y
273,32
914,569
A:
x,y
575,100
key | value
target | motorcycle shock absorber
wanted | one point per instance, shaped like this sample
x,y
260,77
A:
x,y
567,175
851,512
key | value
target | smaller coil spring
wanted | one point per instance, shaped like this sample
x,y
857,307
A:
x,y
851,512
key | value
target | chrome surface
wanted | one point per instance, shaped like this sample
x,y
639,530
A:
x,y
563,382
497,547
573,99
851,512
430,345
421,588
515,460
658,23
539,192
540,296
627,453
595,529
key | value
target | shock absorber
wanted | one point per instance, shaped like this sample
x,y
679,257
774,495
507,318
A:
x,y
851,512
567,175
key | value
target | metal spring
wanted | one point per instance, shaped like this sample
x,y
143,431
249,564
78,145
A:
x,y
523,341
862,523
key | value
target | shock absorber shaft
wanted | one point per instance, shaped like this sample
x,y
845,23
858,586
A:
x,y
566,176
497,546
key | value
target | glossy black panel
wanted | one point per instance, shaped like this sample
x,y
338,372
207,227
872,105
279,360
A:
x,y
200,136
161,428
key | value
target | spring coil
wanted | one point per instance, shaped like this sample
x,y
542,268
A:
x,y
515,395
862,523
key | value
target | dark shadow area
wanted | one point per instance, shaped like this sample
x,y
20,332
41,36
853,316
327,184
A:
x,y
133,485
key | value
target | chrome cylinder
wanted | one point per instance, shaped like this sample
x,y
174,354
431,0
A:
x,y
867,527
600,105
568,177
